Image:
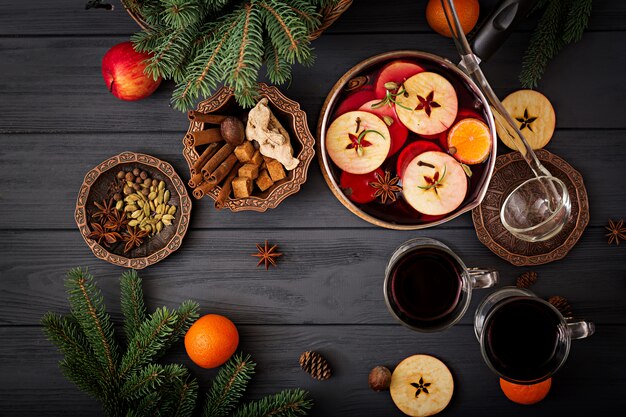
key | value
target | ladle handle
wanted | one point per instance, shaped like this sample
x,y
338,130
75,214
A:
x,y
497,27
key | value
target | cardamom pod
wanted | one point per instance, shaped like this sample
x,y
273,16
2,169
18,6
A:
x,y
135,214
148,228
119,205
159,227
152,206
152,195
146,209
162,185
172,210
133,223
166,196
131,208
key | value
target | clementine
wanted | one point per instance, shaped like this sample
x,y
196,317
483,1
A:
x,y
526,394
471,140
211,341
466,10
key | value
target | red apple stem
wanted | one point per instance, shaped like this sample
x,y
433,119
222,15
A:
x,y
111,86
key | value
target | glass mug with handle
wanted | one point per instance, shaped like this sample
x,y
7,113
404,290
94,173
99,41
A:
x,y
427,286
523,338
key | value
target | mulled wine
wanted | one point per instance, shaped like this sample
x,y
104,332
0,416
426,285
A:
x,y
522,338
425,288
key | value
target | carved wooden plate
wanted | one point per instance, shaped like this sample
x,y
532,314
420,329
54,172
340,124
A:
x,y
295,122
95,187
510,171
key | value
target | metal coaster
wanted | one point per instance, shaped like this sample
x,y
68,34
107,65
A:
x,y
510,171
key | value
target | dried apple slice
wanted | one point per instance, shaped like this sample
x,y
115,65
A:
x,y
535,117
358,142
397,130
434,183
429,104
421,385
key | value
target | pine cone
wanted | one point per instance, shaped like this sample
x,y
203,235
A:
x,y
561,304
315,365
526,280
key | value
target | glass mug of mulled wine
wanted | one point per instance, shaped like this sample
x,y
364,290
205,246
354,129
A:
x,y
523,338
428,287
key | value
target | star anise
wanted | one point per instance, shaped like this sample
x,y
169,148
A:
x,y
617,231
99,233
133,238
526,121
386,187
267,255
428,103
421,387
105,210
117,221
357,142
435,182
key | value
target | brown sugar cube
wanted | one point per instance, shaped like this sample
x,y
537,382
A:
x,y
276,170
244,152
257,158
267,159
249,170
264,181
242,187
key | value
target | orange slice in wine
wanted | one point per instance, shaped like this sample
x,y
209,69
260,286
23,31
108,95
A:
x,y
469,141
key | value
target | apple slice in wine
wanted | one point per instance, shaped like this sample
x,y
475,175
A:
x,y
397,130
355,100
411,151
397,72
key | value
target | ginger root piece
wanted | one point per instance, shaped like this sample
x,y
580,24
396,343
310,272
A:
x,y
273,139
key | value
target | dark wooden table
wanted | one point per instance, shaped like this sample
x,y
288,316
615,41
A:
x,y
57,120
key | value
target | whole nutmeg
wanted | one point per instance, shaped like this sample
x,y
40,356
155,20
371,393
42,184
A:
x,y
379,378
232,130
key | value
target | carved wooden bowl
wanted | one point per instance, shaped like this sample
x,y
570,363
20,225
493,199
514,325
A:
x,y
510,171
95,188
295,122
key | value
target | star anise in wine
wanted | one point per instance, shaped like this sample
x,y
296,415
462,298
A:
x,y
105,210
428,103
421,387
99,233
133,238
386,187
526,121
267,255
617,231
117,221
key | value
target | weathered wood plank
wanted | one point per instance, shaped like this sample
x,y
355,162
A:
x,y
325,277
590,380
65,17
59,79
41,174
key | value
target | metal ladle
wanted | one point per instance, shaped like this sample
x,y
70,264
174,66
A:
x,y
538,208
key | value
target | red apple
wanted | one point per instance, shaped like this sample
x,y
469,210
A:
x,y
123,72
355,100
397,72
397,130
429,104
411,151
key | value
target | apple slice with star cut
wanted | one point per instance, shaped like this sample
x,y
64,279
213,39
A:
x,y
395,72
434,183
397,130
358,142
428,105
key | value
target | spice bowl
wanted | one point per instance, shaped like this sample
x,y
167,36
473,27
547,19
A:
x,y
98,186
290,116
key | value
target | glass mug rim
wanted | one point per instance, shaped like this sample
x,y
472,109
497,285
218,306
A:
x,y
466,287
562,204
564,335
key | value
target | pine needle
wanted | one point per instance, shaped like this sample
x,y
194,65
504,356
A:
x,y
133,307
288,403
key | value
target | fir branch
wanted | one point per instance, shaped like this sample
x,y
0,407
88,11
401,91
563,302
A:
x,y
288,33
186,315
545,43
87,307
180,13
577,20
148,341
80,365
132,301
228,386
185,393
288,403
147,379
278,70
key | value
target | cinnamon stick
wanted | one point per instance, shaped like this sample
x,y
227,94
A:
x,y
195,180
226,187
222,171
203,158
216,159
202,137
196,116
203,189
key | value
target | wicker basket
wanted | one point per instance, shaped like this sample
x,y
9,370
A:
x,y
329,15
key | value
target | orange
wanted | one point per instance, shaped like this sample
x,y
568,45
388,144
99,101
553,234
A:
x,y
466,10
471,139
211,341
526,394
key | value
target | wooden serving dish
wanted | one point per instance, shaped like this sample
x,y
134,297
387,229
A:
x,y
95,187
294,121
